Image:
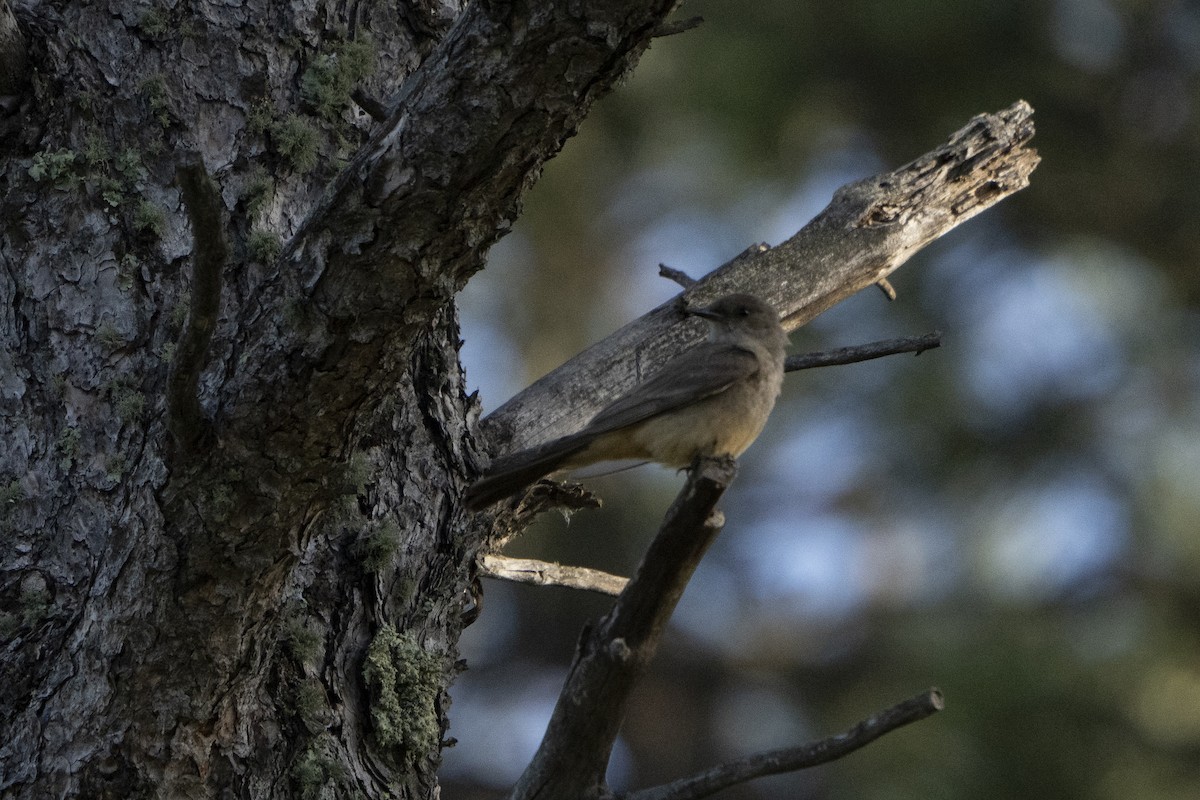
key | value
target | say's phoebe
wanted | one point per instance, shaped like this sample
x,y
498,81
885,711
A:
x,y
712,400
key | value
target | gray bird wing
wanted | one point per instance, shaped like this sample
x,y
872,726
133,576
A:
x,y
701,372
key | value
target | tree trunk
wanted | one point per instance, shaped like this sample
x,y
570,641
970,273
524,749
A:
x,y
234,434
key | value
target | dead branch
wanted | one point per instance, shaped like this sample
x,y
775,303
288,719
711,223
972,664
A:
x,y
546,573
867,231
677,275
864,352
792,759
573,756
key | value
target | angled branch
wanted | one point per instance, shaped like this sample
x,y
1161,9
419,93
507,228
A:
x,y
210,251
867,231
791,759
864,352
545,573
573,756
677,275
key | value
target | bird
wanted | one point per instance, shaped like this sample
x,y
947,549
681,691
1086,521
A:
x,y
712,400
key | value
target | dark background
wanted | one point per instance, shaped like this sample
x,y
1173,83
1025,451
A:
x,y
1013,518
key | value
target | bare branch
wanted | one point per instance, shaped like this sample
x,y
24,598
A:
x,y
545,573
677,275
796,758
545,495
864,352
573,756
867,231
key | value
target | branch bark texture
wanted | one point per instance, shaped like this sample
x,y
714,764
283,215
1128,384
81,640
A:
x,y
867,231
544,573
12,53
230,619
864,352
573,757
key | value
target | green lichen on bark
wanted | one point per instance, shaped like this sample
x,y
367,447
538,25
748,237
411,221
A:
x,y
331,77
317,772
258,193
297,142
379,545
35,605
149,218
263,246
302,642
56,167
311,703
404,681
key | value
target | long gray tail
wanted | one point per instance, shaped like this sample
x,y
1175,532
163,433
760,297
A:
x,y
510,474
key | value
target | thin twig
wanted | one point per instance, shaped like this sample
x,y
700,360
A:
x,y
864,352
796,758
545,573
677,275
845,355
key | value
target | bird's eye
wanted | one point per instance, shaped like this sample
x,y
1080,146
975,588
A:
x,y
743,312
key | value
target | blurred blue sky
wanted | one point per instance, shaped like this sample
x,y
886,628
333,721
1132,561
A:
x,y
1024,328
1047,456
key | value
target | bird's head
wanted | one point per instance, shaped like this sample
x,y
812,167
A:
x,y
737,315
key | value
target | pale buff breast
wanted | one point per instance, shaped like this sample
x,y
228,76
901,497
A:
x,y
724,424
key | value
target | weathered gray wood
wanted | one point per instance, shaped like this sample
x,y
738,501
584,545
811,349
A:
x,y
867,231
545,573
572,760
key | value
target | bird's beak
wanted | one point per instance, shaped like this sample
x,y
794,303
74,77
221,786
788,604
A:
x,y
702,311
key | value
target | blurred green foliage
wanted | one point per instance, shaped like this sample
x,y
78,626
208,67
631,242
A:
x,y
1013,518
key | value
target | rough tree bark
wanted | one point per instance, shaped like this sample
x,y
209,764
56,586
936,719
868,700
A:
x,y
232,560
233,432
12,59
